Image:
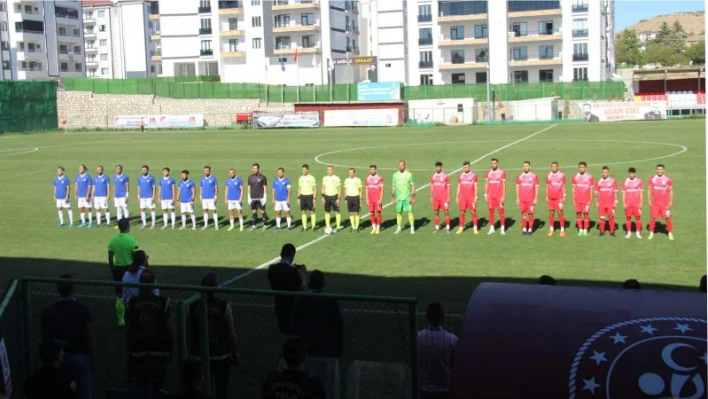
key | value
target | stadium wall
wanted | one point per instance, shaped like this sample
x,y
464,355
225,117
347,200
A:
x,y
351,106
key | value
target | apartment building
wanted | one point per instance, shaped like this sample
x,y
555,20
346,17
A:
x,y
41,39
289,42
457,42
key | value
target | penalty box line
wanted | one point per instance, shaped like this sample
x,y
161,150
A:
x,y
323,237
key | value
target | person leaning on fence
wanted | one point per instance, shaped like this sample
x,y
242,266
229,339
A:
x,y
286,276
192,378
132,275
319,321
293,382
50,381
120,257
149,337
436,349
222,336
69,321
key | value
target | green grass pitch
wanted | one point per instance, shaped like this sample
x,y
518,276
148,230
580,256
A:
x,y
430,267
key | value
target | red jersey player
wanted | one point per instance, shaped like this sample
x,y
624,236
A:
x,y
661,198
606,196
582,198
494,194
374,197
632,201
467,196
527,197
440,196
555,197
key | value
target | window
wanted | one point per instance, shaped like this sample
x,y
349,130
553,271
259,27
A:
x,y
580,74
520,29
62,31
233,23
481,31
256,22
152,68
21,45
481,77
3,26
457,32
426,59
457,56
521,76
204,6
481,55
101,13
282,42
545,28
388,65
347,23
77,49
103,42
580,52
545,75
2,6
532,5
448,8
580,5
308,42
184,69
545,52
64,67
102,28
425,36
88,15
282,59
206,48
104,71
6,45
205,26
255,2
6,65
256,43
92,73
425,13
233,45
580,27
281,21
91,44
519,53
78,67
63,49
77,33
458,78
308,19
104,57
426,80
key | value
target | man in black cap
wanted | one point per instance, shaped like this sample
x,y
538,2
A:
x,y
222,336
286,276
50,381
293,382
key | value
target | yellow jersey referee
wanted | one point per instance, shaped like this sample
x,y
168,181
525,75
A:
x,y
307,196
331,190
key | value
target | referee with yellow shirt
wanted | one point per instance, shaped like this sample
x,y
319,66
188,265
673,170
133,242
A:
x,y
352,194
307,197
331,191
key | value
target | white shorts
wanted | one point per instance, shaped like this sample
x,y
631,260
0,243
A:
x,y
83,203
120,202
147,203
62,203
186,207
235,205
281,206
209,205
100,202
167,205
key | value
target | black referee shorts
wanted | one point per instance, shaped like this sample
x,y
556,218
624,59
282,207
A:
x,y
307,203
118,272
353,204
257,204
331,203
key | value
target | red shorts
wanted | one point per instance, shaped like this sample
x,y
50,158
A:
x,y
494,203
660,212
526,206
375,206
439,204
632,212
466,204
606,211
555,205
582,207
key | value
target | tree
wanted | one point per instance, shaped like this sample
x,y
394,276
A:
x,y
697,53
627,48
678,28
664,32
660,54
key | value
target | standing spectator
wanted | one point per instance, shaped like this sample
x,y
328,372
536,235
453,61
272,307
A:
x,y
142,125
69,321
50,381
631,284
319,321
132,275
293,382
120,257
437,352
546,280
502,111
149,337
192,378
286,276
222,336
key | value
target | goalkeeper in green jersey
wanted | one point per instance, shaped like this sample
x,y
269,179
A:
x,y
403,196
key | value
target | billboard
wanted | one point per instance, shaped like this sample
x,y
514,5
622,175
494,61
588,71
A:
x,y
613,111
378,91
276,120
361,117
159,121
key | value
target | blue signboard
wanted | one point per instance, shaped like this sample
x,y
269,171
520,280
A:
x,y
378,91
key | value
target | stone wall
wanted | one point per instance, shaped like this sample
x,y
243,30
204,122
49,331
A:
x,y
85,109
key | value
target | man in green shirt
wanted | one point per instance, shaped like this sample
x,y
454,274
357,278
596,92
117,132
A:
x,y
403,196
331,191
352,194
307,196
120,257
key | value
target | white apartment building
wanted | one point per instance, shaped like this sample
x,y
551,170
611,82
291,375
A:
x,y
257,40
500,41
117,39
41,39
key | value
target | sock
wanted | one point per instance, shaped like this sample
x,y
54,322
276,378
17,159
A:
x,y
378,224
194,220
587,222
437,222
447,222
628,225
125,212
351,221
277,222
265,218
474,220
184,220
98,218
327,221
462,220
82,216
216,219
164,219
531,222
652,225
491,219
142,217
411,219
602,225
399,220
173,216
552,221
502,218
562,222
152,214
304,221
356,219
253,220
119,213
638,225
289,220
372,217
313,219
240,222
120,311
670,225
71,216
61,217
206,219
612,225
90,217
579,222
231,222
338,218
523,223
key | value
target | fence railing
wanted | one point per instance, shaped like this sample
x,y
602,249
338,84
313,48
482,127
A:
x,y
379,334
11,340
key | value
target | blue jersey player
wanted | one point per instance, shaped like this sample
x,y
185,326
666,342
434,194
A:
x,y
208,194
82,191
62,190
281,199
100,194
121,193
146,195
234,198
167,197
185,197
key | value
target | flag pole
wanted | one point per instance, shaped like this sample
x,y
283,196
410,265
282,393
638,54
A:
x,y
297,74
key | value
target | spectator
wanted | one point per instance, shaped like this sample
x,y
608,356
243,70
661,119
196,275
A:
x,y
286,276
222,336
69,321
132,275
50,381
702,285
293,382
546,280
436,354
192,377
631,284
319,321
502,111
120,257
149,336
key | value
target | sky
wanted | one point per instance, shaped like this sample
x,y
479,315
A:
x,y
628,12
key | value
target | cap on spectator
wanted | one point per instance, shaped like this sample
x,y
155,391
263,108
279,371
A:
x,y
49,350
294,350
317,280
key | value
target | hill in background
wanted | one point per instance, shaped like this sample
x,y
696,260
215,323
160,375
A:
x,y
693,24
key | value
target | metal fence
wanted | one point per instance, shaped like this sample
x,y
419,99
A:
x,y
28,106
11,343
380,350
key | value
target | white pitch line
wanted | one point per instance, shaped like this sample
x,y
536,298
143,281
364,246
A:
x,y
318,239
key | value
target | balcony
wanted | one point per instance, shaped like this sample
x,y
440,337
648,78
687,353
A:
x,y
154,17
451,66
425,64
89,18
521,13
580,8
30,34
91,49
425,41
232,32
580,57
297,5
205,53
68,38
204,9
425,18
536,62
156,58
90,33
300,51
544,36
462,42
92,61
230,7
461,18
205,31
580,33
297,29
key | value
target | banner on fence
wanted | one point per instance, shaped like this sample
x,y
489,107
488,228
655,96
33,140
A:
x,y
159,121
361,117
378,91
275,120
611,111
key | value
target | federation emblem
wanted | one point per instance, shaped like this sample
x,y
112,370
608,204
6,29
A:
x,y
662,357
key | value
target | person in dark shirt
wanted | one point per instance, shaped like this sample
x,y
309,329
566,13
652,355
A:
x,y
257,189
285,276
293,382
192,378
50,381
149,336
319,321
69,320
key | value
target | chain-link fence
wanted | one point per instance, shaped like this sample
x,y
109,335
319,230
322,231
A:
x,y
379,357
29,106
11,371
